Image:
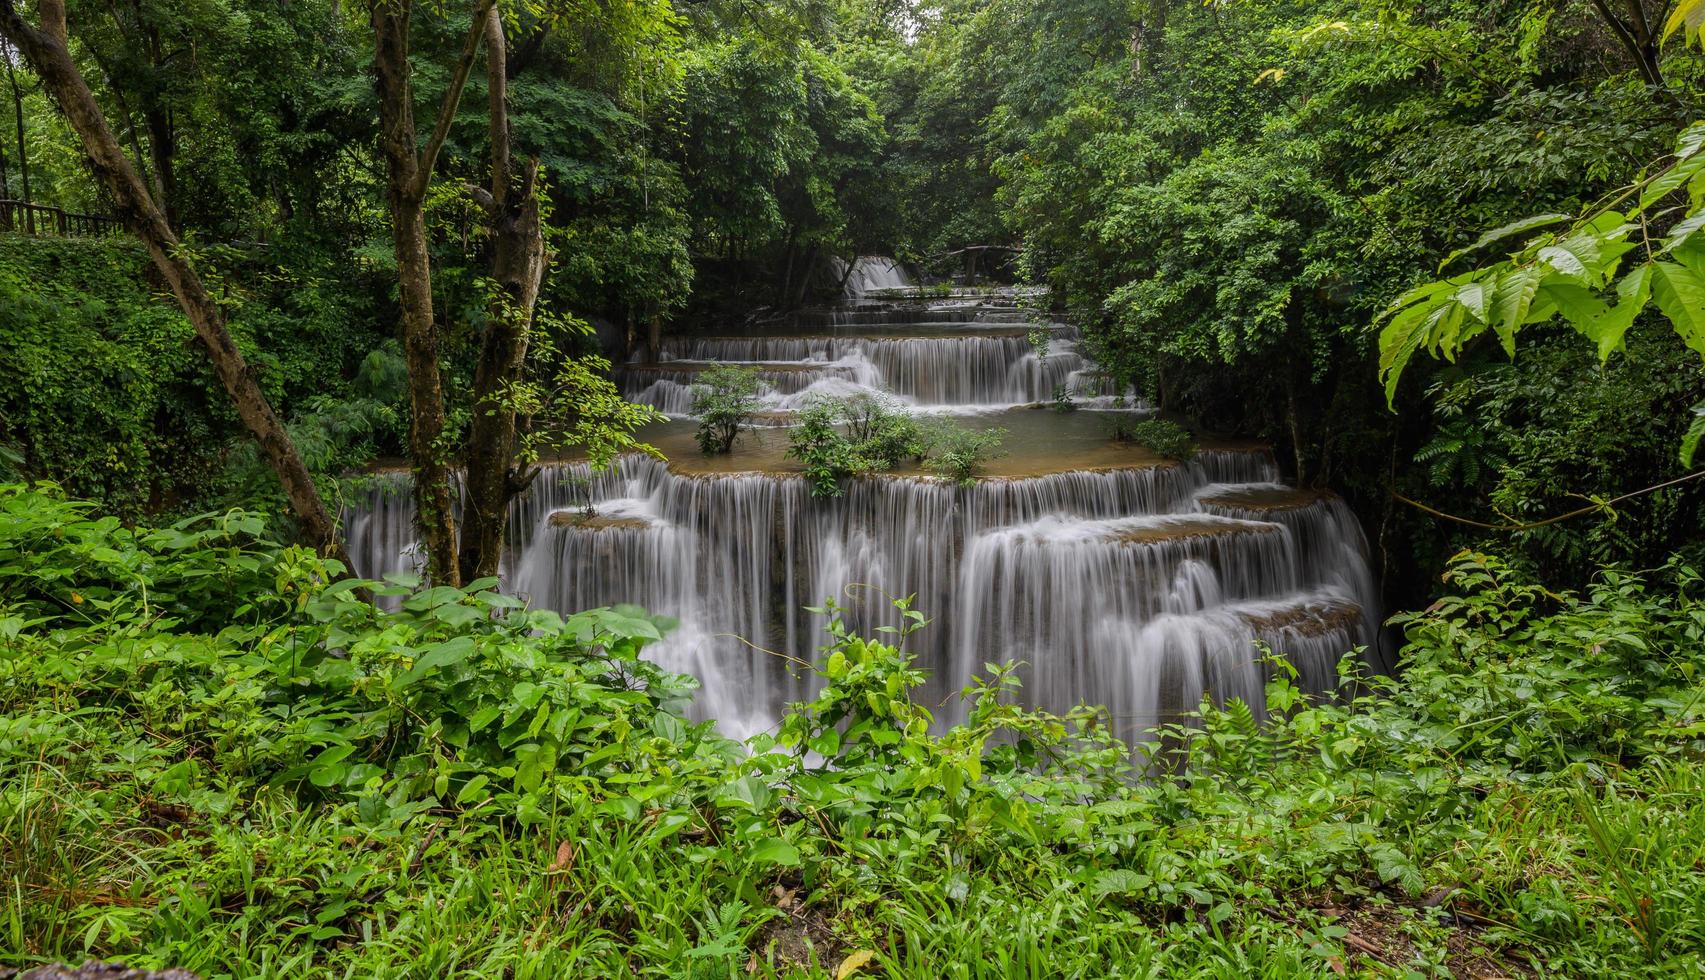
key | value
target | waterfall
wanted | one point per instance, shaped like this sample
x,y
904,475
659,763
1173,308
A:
x,y
871,276
1117,578
1124,587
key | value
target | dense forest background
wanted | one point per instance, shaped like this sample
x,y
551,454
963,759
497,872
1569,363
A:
x,y
1225,196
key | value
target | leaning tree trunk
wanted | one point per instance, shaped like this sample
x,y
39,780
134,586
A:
x,y
408,177
518,267
48,53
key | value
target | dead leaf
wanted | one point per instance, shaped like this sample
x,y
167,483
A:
x,y
853,962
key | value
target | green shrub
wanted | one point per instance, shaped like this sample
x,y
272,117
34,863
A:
x,y
958,453
212,756
1168,440
1063,400
839,438
724,399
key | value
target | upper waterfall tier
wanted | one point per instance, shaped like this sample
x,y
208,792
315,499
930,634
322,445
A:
x,y
941,357
1119,578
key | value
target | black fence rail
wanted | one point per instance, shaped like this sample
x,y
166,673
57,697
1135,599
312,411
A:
x,y
39,219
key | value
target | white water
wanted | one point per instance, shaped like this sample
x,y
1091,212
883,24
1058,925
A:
x,y
1140,587
871,276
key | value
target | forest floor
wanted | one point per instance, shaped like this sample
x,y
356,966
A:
x,y
211,759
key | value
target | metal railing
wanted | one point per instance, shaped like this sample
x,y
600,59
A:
x,y
40,219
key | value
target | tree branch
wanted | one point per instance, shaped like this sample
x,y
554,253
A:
x,y
497,98
1590,508
1625,33
452,101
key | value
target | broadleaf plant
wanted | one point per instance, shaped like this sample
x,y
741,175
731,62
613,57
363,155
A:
x,y
1599,273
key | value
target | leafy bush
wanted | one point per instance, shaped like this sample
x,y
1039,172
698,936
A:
x,y
1063,402
839,438
1168,440
959,453
219,759
724,400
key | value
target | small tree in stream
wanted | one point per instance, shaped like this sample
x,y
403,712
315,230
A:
x,y
959,454
724,400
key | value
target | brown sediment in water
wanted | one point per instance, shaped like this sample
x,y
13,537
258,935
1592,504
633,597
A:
x,y
696,366
874,331
595,522
1267,498
1036,444
1312,619
1192,527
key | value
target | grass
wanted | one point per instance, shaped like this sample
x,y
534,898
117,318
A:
x,y
174,791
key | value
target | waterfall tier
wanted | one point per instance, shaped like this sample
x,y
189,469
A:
x,y
1117,578
1127,587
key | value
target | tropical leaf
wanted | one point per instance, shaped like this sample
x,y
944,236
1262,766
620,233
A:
x,y
1516,291
1695,432
1398,343
1476,298
1689,17
1499,234
1566,262
1680,294
1670,180
1608,328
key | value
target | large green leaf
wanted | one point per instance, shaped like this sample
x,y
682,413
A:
x,y
1476,298
1499,234
451,651
1578,305
1398,342
1695,432
1688,16
1633,292
1513,300
1670,180
1680,294
1565,262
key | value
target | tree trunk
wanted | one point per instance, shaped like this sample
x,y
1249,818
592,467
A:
x,y
518,267
18,110
408,177
1636,37
162,149
46,48
1293,420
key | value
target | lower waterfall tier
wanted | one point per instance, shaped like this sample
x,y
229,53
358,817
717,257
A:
x,y
1140,588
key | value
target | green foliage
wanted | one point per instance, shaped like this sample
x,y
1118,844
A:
x,y
840,438
277,779
957,453
724,400
1164,438
76,319
1599,273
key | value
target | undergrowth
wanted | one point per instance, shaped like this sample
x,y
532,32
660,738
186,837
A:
x,y
214,756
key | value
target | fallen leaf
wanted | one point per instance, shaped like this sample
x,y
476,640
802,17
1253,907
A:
x,y
852,963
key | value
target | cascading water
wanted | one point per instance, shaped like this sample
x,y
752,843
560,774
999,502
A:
x,y
871,276
1119,579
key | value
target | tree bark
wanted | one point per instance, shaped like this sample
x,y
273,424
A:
x,y
48,53
18,110
408,177
1636,38
518,267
